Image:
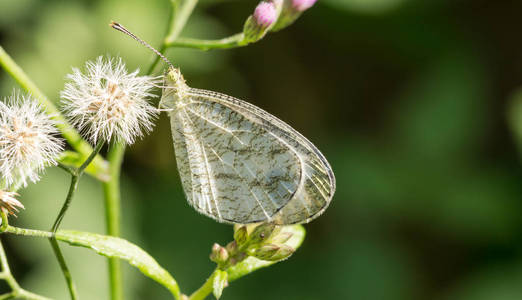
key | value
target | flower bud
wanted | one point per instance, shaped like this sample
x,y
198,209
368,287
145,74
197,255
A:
x,y
302,5
232,247
292,9
258,24
219,254
261,233
241,235
265,252
281,237
283,253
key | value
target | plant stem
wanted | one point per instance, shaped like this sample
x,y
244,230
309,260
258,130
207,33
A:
x,y
75,178
233,41
111,191
17,291
28,232
177,20
180,19
54,244
5,221
70,194
68,132
205,289
65,270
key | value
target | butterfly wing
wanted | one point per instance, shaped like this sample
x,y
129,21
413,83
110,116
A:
x,y
239,164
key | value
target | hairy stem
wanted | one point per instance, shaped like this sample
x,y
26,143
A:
x,y
68,132
111,190
28,232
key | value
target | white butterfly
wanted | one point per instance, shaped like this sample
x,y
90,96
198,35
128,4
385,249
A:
x,y
240,164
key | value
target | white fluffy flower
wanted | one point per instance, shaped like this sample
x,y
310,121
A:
x,y
8,202
28,141
107,102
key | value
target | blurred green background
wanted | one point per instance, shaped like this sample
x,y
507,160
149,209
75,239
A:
x,y
409,101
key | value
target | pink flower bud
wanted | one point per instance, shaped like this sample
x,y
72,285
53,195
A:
x,y
265,14
302,5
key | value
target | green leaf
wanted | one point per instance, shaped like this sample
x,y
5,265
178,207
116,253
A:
x,y
252,264
116,247
219,282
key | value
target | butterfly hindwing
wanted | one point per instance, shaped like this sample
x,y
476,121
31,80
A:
x,y
317,183
239,164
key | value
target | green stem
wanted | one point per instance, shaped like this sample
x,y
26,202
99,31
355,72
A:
x,y
5,221
233,41
70,194
6,271
180,18
65,270
111,191
68,132
177,20
28,232
75,178
17,291
205,289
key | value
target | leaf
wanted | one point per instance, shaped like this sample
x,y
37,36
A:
x,y
219,282
252,264
116,247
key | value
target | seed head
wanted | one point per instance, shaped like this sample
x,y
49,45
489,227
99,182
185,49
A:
x,y
28,141
8,202
106,102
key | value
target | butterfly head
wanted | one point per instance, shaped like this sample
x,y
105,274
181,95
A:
x,y
175,89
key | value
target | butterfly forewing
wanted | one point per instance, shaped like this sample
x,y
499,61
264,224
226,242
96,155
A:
x,y
232,169
240,164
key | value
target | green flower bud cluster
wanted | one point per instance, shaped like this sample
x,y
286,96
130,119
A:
x,y
265,241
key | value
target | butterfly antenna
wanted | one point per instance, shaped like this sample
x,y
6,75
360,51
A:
x,y
120,27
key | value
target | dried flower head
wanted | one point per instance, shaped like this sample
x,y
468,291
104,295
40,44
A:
x,y
28,141
107,102
8,202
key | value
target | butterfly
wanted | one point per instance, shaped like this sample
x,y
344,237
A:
x,y
238,163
